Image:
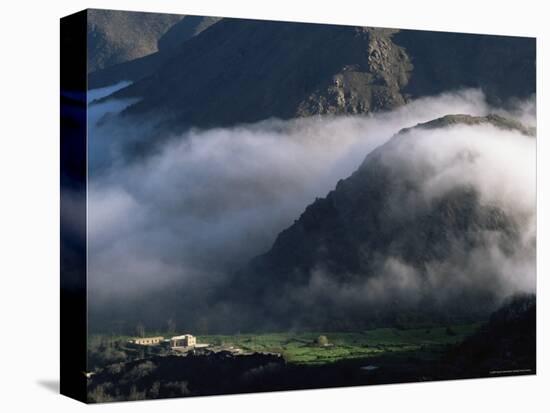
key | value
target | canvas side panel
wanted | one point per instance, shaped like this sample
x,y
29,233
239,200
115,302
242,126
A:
x,y
73,205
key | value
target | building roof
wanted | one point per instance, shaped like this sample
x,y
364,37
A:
x,y
148,338
181,337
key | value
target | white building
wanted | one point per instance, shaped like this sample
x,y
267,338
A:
x,y
186,340
147,341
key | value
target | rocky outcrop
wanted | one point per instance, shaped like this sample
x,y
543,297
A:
x,y
245,71
492,119
241,71
361,88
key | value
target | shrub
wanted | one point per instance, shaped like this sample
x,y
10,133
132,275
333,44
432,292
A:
x,y
321,341
141,370
99,395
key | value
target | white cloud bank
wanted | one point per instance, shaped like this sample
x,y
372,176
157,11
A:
x,y
210,200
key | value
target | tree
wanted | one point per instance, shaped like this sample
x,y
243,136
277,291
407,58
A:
x,y
140,330
202,325
171,326
321,341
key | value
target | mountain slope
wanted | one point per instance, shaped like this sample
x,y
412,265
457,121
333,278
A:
x,y
188,27
143,66
383,246
247,70
505,345
504,67
117,36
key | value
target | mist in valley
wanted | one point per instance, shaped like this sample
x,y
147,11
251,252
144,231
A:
x,y
168,230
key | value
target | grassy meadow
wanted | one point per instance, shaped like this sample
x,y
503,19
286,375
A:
x,y
301,348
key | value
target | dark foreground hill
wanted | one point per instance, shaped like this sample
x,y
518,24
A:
x,y
506,345
242,71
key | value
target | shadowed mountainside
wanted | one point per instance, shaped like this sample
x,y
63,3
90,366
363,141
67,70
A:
x,y
242,71
143,66
376,234
506,344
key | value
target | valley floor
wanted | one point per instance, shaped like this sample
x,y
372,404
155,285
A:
x,y
303,348
243,363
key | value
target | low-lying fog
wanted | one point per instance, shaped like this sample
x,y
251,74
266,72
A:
x,y
189,214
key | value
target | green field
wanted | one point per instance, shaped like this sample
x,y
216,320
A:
x,y
300,348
